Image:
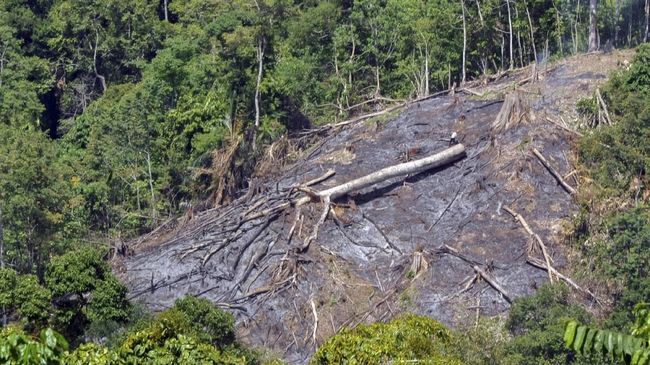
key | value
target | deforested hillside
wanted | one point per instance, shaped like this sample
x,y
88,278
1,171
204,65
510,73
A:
x,y
452,242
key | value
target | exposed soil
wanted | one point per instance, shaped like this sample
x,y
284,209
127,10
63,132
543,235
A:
x,y
359,269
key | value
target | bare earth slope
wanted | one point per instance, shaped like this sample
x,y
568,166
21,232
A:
x,y
361,265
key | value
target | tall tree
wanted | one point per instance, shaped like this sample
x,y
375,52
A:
x,y
593,25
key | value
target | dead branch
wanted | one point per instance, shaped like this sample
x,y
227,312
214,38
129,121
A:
x,y
540,264
313,309
554,172
329,173
603,106
492,283
564,127
321,220
539,241
248,242
446,249
388,241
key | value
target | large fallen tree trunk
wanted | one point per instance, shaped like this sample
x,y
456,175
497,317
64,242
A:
x,y
442,158
451,154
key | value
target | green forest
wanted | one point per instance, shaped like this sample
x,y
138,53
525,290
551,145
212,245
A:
x,y
115,116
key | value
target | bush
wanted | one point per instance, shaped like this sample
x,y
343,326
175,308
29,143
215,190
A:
x,y
214,325
407,338
537,324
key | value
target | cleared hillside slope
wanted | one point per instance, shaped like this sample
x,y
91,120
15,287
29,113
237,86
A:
x,y
414,243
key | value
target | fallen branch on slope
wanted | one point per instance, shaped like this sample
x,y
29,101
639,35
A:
x,y
540,264
537,239
492,283
554,172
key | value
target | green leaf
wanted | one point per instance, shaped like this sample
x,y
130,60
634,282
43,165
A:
x,y
599,340
589,340
569,333
644,358
636,357
580,338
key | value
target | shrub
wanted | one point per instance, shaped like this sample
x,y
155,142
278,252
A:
x,y
406,338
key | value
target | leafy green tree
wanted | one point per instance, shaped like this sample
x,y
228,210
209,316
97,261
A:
x,y
84,289
23,79
41,212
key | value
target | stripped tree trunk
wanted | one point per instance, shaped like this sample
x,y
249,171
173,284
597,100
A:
x,y
260,65
593,25
647,20
532,34
462,4
442,158
512,63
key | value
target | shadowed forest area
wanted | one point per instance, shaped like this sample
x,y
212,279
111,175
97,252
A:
x,y
325,182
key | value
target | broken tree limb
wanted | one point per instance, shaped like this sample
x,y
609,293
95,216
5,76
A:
x,y
321,220
540,264
539,241
553,172
603,106
313,310
493,283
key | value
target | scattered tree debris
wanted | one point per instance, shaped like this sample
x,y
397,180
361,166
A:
x,y
553,172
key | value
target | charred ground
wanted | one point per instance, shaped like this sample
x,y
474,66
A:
x,y
381,250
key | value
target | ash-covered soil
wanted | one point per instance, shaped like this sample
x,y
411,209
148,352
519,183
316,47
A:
x,y
360,267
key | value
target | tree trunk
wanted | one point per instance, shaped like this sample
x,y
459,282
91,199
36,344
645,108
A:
x,y
593,26
462,4
2,242
647,20
532,34
442,158
521,50
102,79
480,15
153,195
260,65
2,263
512,60
165,10
426,70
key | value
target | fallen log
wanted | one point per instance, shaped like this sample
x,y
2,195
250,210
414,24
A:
x,y
442,158
553,172
493,283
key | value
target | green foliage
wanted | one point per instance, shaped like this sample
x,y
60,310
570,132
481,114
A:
x,y
174,337
213,324
631,349
616,156
536,323
409,337
33,302
84,289
38,202
16,347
